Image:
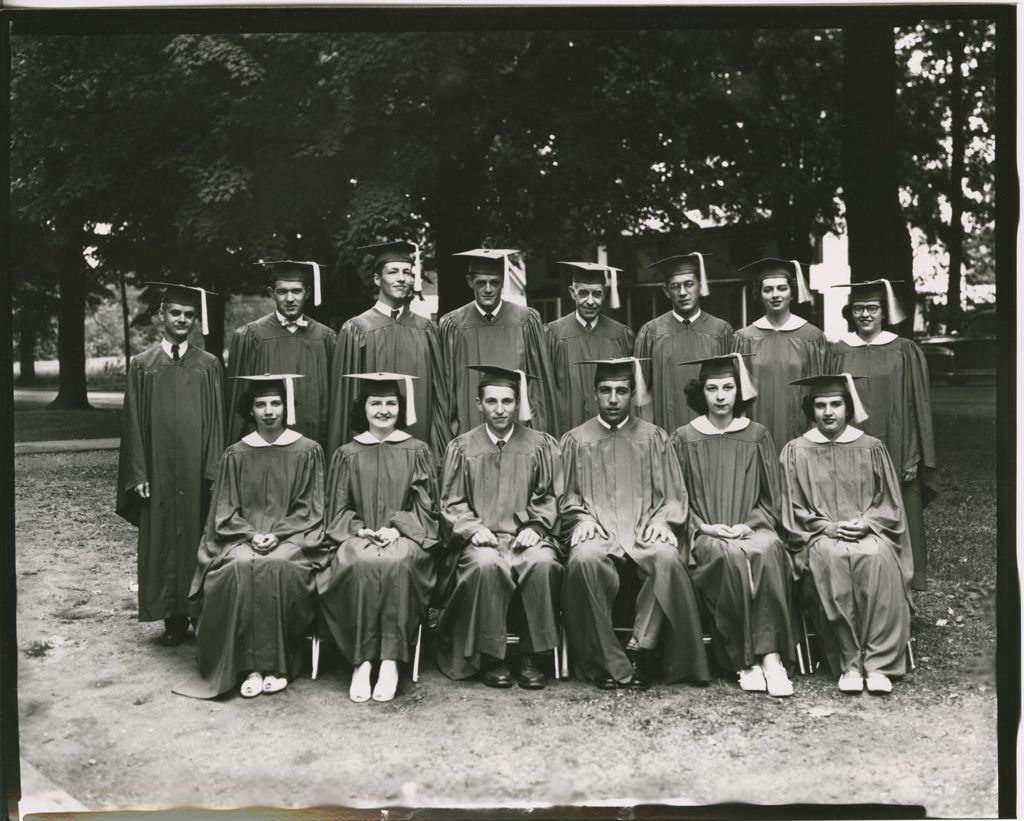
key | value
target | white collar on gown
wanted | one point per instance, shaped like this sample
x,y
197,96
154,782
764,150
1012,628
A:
x,y
367,438
702,424
288,435
850,434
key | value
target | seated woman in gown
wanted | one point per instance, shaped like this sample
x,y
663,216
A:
x,y
846,527
253,589
381,531
740,565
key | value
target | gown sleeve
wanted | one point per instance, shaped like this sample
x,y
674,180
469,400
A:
x,y
574,510
343,520
418,518
239,360
694,520
213,420
642,350
440,433
541,512
448,332
303,521
458,518
885,514
349,357
765,513
131,468
538,363
923,417
801,523
669,500
225,525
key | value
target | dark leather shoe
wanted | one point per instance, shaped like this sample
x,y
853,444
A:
x,y
175,631
607,683
530,676
642,676
498,676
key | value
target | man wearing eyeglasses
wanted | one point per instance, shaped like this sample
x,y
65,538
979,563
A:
x,y
898,399
683,334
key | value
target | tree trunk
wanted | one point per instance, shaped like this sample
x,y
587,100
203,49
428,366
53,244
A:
x,y
72,393
958,134
28,333
879,240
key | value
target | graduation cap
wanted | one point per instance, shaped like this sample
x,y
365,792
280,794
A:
x,y
399,250
836,384
692,263
507,378
771,267
383,383
187,295
880,289
490,261
622,368
283,383
594,273
732,364
289,269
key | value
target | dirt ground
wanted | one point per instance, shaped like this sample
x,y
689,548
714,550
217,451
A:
x,y
99,720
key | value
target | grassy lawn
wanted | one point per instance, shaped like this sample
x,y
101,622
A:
x,y
42,424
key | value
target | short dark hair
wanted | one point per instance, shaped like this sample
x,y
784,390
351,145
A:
x,y
245,401
807,405
480,390
359,422
631,380
694,392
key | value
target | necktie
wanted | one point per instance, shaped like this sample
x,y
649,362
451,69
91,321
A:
x,y
612,428
489,317
500,443
395,312
686,323
174,353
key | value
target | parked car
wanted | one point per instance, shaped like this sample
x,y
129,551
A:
x,y
961,356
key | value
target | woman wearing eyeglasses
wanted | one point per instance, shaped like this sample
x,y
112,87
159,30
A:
x,y
896,390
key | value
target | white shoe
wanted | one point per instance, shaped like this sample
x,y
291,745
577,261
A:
x,y
778,683
387,681
851,682
879,683
359,689
252,686
752,680
274,684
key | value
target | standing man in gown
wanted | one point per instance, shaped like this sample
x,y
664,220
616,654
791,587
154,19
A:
x,y
389,337
499,516
285,341
897,391
625,509
683,333
586,333
492,330
845,525
785,347
171,441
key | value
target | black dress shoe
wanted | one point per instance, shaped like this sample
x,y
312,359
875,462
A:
x,y
606,683
175,631
530,677
642,676
498,676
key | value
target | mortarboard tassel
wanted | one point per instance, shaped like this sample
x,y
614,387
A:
x,y
525,414
643,396
705,290
410,403
417,274
289,401
860,413
803,293
613,287
204,314
747,389
896,315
